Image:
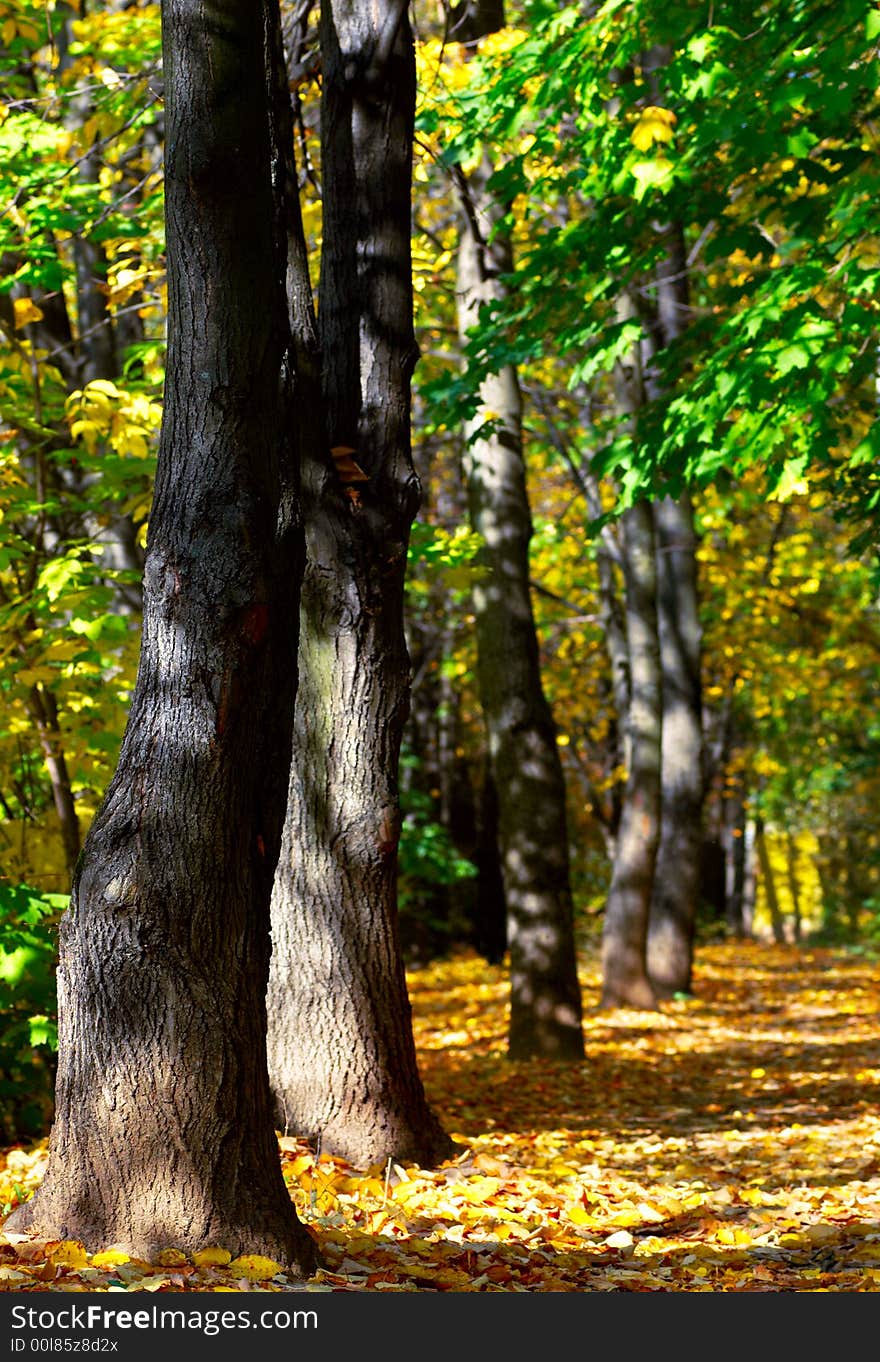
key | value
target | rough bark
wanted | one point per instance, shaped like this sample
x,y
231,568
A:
x,y
163,1132
341,1049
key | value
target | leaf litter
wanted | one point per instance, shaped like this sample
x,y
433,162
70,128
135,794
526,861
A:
x,y
727,1142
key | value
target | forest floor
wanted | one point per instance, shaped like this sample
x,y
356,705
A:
x,y
729,1142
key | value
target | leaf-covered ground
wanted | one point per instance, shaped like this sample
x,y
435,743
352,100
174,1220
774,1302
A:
x,y
730,1142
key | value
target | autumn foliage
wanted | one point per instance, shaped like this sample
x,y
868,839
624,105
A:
x,y
729,1142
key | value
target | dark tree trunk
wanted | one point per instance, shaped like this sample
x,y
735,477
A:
x,y
341,1048
163,1133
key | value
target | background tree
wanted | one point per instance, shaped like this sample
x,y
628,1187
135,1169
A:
x,y
525,770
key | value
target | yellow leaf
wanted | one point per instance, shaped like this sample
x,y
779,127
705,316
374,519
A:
x,y
296,1167
254,1267
7,33
757,1073
212,1257
109,1258
654,125
103,387
627,1216
728,1234
171,1257
578,1216
26,311
69,1253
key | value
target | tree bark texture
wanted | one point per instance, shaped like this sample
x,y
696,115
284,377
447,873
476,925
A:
x,y
624,936
676,891
545,999
163,1132
625,980
341,1049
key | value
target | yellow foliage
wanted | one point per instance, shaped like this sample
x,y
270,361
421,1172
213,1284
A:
x,y
212,1257
254,1268
654,125
26,312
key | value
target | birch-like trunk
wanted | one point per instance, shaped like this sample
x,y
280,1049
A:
x,y
545,1000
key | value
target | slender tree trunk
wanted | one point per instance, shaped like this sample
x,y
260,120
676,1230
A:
x,y
794,886
545,998
163,1133
341,1049
750,878
490,907
625,981
43,709
545,1003
676,891
734,837
769,882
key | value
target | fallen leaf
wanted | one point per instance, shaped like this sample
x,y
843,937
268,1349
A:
x,y
254,1268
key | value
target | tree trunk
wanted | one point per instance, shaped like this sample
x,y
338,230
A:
x,y
769,882
676,891
163,1133
545,998
341,1049
734,837
794,885
43,709
490,916
545,1002
625,981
